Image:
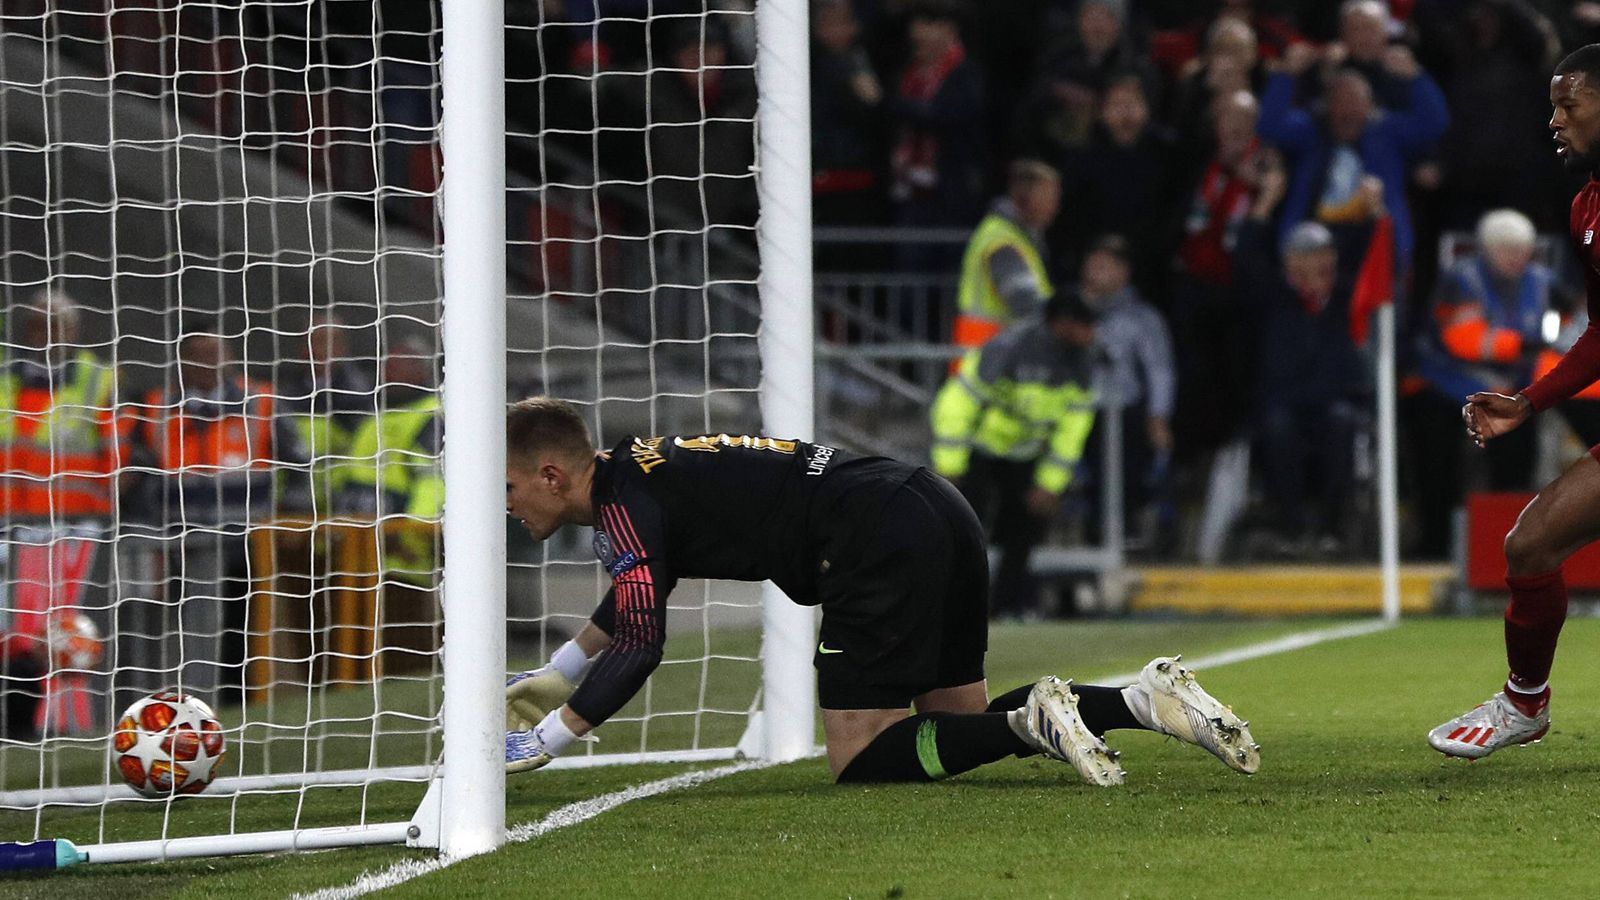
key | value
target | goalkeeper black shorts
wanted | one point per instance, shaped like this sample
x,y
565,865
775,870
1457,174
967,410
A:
x,y
904,601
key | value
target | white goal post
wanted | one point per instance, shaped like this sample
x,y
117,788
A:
x,y
287,182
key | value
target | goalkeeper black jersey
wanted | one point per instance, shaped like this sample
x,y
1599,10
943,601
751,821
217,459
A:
x,y
716,506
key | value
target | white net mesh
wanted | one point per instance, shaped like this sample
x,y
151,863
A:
x,y
220,265
632,208
221,272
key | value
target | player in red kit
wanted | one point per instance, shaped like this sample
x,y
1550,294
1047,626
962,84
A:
x,y
1566,514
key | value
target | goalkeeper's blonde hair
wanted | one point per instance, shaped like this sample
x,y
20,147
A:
x,y
538,426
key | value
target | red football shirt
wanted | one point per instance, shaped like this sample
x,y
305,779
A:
x,y
1581,366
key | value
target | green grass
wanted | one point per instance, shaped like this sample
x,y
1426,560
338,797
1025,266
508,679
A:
x,y
1350,801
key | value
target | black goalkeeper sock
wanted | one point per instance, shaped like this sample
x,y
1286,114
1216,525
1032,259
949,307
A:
x,y
1102,708
1016,698
934,746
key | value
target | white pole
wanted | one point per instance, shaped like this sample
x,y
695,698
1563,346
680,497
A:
x,y
1388,492
783,80
473,793
249,842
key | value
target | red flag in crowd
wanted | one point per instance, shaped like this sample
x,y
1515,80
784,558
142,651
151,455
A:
x,y
1375,282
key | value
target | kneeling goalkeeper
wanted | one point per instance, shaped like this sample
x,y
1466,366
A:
x,y
891,552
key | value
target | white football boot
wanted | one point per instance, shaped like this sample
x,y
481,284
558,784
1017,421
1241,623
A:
x,y
1487,727
1167,699
1050,722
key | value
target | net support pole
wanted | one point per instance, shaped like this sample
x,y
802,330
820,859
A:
x,y
783,121
474,203
1388,489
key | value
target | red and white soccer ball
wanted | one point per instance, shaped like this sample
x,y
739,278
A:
x,y
168,743
75,642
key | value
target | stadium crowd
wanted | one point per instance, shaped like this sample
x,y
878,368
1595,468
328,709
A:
x,y
1248,160
1219,170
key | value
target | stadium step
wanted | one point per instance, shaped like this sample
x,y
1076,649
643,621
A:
x,y
1282,590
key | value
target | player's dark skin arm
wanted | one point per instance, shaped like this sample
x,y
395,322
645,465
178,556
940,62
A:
x,y
1565,515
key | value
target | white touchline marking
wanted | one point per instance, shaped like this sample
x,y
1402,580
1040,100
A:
x,y
584,810
571,814
1297,641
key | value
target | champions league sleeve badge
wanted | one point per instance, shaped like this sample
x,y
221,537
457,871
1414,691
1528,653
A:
x,y
614,564
603,550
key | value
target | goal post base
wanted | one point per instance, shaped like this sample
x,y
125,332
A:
x,y
250,842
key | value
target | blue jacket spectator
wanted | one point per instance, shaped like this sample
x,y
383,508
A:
x,y
1330,156
1488,313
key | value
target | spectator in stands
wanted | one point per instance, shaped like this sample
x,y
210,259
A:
x,y
325,402
1312,383
1004,276
1230,65
1060,115
1579,22
60,450
1365,29
57,431
1485,330
1009,429
1124,184
1332,155
938,151
1496,153
1175,47
394,471
1216,326
214,440
846,137
1134,371
701,118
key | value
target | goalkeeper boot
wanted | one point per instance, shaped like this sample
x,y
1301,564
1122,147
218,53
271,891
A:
x,y
1487,727
1167,699
1051,724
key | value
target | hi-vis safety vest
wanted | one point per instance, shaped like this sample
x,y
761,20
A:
x,y
186,443
327,445
980,310
1022,396
386,454
58,441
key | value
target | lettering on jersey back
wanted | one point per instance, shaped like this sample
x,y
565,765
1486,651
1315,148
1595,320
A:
x,y
647,453
712,443
820,457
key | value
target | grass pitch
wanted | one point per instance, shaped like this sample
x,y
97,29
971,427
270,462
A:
x,y
1350,801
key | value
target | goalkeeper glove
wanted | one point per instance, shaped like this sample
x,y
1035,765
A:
x,y
533,748
525,751
530,696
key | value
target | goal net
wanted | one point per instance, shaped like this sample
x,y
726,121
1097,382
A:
x,y
633,207
225,266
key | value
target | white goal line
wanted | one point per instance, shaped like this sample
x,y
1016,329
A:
x,y
584,810
571,814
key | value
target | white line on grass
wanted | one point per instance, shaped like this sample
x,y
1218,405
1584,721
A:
x,y
571,814
584,810
1297,641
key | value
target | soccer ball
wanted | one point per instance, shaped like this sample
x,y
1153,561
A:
x,y
75,642
166,744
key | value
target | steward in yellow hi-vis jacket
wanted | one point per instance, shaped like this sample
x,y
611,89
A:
x,y
1008,429
1003,274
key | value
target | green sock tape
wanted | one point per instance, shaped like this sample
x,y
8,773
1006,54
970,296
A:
x,y
928,750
